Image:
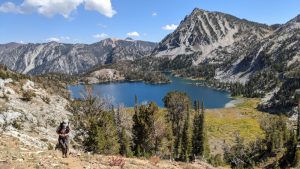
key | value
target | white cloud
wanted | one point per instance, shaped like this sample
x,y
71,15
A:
x,y
170,27
10,7
59,39
65,8
154,14
100,36
53,39
50,8
102,6
133,34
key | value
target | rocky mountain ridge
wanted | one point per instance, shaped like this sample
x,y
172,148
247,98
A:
x,y
54,57
236,46
231,50
208,35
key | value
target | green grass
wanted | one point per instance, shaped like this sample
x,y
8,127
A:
x,y
227,128
223,124
244,119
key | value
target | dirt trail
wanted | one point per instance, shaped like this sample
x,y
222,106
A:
x,y
15,155
73,163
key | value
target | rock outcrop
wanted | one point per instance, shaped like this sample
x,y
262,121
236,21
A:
x,y
56,57
32,117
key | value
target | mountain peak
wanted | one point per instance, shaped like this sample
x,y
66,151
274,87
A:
x,y
128,38
203,32
53,42
197,11
296,19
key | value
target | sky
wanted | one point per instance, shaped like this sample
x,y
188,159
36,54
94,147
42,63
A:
x,y
89,21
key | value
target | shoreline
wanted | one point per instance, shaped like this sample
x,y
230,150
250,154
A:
x,y
234,102
123,81
231,104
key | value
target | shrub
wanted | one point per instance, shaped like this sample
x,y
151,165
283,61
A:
x,y
46,99
44,139
16,124
117,161
50,146
3,75
28,95
154,160
216,160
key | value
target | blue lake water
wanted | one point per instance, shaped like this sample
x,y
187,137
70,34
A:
x,y
124,92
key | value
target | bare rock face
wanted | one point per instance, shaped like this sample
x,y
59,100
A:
x,y
56,57
104,75
278,52
264,58
238,47
212,37
32,121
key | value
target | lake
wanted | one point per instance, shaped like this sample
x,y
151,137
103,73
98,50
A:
x,y
124,92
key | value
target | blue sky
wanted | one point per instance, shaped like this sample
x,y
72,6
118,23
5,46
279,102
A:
x,y
88,21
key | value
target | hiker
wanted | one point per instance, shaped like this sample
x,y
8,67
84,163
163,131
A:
x,y
63,139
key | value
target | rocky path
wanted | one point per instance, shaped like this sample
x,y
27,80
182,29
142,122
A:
x,y
15,155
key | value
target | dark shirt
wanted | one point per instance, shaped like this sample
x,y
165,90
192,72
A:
x,y
63,130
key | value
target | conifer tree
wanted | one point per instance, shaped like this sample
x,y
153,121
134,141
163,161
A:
x,y
100,125
103,137
195,105
123,127
176,103
200,140
186,138
138,133
125,149
196,141
143,129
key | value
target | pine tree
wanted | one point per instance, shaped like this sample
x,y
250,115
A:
x,y
195,106
102,136
186,138
176,103
137,130
138,133
135,100
197,138
149,117
200,141
125,149
121,120
143,129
